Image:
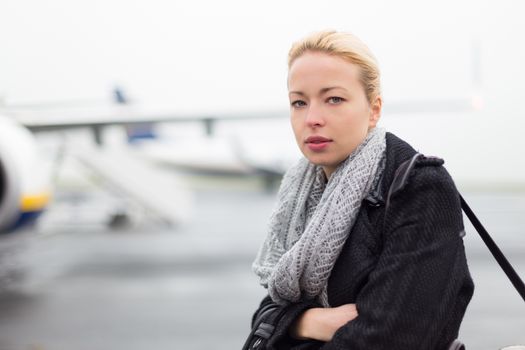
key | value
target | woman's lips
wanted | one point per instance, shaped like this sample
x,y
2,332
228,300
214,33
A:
x,y
317,143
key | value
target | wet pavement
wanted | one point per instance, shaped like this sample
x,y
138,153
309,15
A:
x,y
149,287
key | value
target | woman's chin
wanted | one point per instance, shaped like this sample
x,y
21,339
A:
x,y
325,163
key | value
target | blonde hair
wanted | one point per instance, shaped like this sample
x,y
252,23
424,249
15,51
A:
x,y
348,47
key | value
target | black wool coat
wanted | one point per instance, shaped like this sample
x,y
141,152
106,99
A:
x,y
404,268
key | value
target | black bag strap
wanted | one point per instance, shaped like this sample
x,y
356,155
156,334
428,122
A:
x,y
494,249
399,182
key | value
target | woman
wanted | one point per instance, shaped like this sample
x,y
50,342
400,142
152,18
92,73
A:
x,y
347,269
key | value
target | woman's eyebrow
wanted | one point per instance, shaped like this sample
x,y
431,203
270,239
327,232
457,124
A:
x,y
326,89
322,91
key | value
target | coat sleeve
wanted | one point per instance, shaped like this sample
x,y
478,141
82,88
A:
x,y
411,296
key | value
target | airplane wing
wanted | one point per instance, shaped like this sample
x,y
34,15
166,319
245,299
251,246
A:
x,y
69,117
52,119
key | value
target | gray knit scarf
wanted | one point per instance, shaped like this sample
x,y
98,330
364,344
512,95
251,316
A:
x,y
312,220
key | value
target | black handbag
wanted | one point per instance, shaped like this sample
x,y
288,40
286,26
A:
x,y
264,326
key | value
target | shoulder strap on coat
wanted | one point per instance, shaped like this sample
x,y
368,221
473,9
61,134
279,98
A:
x,y
400,180
494,249
403,172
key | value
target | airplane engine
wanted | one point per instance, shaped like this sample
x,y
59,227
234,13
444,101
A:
x,y
24,190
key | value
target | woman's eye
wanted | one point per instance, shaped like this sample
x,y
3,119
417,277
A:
x,y
298,103
335,100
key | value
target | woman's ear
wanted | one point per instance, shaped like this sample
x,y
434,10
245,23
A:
x,y
375,112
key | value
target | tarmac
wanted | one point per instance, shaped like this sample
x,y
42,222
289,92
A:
x,y
74,284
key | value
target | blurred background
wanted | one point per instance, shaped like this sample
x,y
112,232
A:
x,y
142,144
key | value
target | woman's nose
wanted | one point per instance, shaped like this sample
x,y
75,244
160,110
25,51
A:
x,y
314,116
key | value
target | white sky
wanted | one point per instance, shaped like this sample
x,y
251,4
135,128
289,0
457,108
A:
x,y
230,55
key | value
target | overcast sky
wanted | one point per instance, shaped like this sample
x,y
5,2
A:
x,y
230,54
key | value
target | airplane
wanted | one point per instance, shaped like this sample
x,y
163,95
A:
x,y
24,191
24,194
25,188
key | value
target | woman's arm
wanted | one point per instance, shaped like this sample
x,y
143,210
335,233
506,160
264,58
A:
x,y
322,323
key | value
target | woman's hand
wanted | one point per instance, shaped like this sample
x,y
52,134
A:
x,y
322,323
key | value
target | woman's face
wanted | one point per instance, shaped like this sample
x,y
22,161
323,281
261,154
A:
x,y
330,113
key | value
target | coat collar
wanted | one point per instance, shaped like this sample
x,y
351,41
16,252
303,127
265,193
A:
x,y
397,151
